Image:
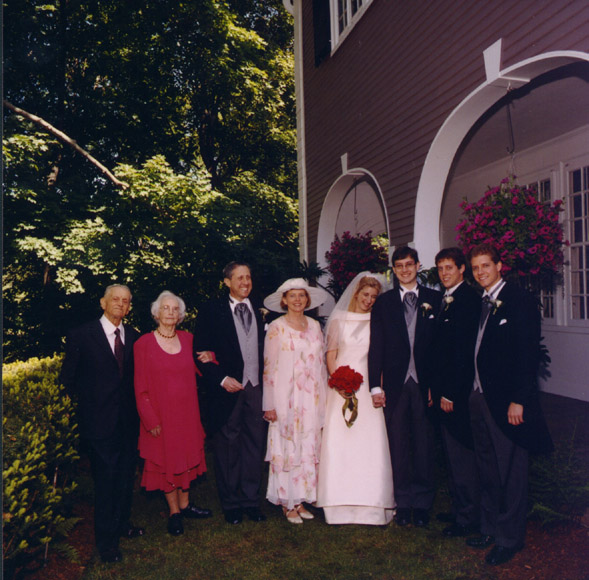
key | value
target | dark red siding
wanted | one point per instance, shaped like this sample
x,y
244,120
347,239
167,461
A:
x,y
384,94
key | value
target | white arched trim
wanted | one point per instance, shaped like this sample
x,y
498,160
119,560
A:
x,y
430,193
331,206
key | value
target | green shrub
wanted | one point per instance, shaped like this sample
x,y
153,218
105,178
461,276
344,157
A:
x,y
40,446
559,484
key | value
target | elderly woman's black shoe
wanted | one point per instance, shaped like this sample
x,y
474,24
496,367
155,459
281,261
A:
x,y
191,511
175,527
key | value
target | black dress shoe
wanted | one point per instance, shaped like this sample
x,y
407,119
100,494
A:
x,y
132,532
458,530
254,514
420,518
482,541
111,555
446,518
403,516
191,511
233,516
501,554
175,527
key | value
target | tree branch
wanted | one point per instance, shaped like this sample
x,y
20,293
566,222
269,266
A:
x,y
63,137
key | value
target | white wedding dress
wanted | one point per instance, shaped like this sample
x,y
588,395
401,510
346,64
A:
x,y
355,474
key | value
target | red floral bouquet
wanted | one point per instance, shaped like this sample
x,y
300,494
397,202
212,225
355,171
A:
x,y
346,381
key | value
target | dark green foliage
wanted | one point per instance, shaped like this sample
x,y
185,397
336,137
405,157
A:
x,y
559,484
40,446
191,103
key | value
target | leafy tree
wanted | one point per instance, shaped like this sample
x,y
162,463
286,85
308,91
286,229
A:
x,y
192,104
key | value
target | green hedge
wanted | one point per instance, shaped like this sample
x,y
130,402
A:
x,y
40,439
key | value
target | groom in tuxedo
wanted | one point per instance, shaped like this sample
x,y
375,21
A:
x,y
98,372
506,418
454,343
401,330
233,329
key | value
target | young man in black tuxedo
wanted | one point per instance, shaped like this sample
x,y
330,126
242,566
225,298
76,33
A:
x,y
233,329
98,372
506,418
454,342
399,361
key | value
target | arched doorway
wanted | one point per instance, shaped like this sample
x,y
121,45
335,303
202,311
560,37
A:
x,y
447,142
354,203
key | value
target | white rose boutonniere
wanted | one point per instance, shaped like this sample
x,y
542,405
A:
x,y
447,301
496,305
425,308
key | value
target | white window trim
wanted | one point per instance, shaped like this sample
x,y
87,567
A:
x,y
336,38
566,169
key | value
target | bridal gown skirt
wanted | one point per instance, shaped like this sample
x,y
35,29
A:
x,y
355,475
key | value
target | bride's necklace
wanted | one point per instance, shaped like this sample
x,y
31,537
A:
x,y
165,335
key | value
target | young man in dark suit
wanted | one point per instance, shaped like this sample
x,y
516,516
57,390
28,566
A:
x,y
453,348
98,371
401,330
506,418
233,329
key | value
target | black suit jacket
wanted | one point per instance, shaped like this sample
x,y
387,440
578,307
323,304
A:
x,y
508,360
215,331
453,349
90,373
389,353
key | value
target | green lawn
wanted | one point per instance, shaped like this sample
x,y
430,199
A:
x,y
276,549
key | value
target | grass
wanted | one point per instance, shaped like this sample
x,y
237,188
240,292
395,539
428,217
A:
x,y
276,549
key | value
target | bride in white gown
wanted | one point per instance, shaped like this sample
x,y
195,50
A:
x,y
355,474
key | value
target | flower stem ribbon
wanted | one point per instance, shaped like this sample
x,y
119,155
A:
x,y
346,381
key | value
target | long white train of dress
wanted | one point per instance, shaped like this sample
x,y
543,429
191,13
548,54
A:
x,y
355,475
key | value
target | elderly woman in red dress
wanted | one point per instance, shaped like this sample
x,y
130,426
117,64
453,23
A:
x,y
171,438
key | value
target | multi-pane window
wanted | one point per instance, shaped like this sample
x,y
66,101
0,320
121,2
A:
x,y
345,14
579,239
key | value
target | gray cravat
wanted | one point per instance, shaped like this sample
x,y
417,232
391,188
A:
x,y
409,304
485,310
245,316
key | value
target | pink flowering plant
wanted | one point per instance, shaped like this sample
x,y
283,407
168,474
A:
x,y
526,232
350,255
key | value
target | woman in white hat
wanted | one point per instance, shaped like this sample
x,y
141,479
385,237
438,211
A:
x,y
294,397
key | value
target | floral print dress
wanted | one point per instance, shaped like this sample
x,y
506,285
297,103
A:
x,y
295,383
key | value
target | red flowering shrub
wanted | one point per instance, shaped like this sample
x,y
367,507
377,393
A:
x,y
525,231
346,380
350,255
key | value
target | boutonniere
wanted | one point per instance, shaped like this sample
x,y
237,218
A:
x,y
496,305
425,308
447,301
264,312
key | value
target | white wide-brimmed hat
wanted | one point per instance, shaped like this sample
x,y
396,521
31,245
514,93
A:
x,y
317,295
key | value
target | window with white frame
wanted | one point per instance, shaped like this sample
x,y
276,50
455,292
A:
x,y
344,15
578,183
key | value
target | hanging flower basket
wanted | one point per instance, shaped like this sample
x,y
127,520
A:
x,y
526,232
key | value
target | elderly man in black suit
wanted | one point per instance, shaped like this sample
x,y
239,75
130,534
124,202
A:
x,y
233,329
506,418
399,358
453,348
98,371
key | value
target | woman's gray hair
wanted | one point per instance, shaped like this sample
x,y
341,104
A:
x,y
155,306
